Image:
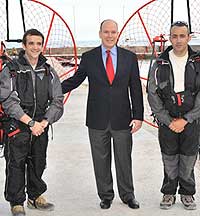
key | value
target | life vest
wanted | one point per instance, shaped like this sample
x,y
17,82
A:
x,y
178,103
24,86
35,96
1,127
5,119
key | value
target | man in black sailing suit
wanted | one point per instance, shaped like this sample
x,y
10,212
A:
x,y
33,99
174,97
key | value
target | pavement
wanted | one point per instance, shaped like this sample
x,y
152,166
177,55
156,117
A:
x,y
70,175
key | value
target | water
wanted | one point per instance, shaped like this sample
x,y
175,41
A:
x,y
94,43
88,43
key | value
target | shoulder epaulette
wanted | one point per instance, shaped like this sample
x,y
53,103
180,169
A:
x,y
13,68
47,68
197,58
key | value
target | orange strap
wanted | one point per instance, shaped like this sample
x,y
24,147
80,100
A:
x,y
179,99
13,133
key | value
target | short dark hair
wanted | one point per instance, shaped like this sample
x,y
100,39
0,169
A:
x,y
180,24
32,32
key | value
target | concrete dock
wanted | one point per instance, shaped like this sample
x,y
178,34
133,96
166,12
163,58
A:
x,y
70,176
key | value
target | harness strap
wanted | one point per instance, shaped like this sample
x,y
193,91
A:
x,y
14,132
179,99
1,135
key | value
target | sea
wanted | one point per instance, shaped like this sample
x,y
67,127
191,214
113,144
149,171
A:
x,y
94,43
88,43
79,43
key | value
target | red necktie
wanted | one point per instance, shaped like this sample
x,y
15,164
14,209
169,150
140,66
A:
x,y
109,67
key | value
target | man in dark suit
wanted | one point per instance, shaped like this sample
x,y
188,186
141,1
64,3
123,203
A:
x,y
110,114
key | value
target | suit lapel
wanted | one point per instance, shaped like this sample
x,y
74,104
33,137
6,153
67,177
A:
x,y
100,65
99,59
120,64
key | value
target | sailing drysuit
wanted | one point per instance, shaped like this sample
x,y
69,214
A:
x,y
36,92
179,150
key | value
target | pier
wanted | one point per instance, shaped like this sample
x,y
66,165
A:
x,y
70,174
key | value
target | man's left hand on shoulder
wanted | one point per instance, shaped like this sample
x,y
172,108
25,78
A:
x,y
136,125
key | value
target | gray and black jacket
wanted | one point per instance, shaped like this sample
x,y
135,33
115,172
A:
x,y
156,103
36,92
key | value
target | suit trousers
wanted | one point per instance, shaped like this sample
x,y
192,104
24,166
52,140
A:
x,y
101,148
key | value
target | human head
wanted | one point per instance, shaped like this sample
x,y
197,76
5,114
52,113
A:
x,y
108,33
32,32
32,43
179,37
180,24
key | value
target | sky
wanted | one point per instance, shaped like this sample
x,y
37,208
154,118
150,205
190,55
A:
x,y
84,16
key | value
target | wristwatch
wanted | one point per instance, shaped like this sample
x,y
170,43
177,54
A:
x,y
31,123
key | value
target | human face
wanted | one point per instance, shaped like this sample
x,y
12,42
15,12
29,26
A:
x,y
33,48
108,34
179,37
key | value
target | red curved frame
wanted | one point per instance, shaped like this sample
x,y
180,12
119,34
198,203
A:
x,y
72,37
148,36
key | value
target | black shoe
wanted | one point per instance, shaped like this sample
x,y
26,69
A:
x,y
105,204
132,203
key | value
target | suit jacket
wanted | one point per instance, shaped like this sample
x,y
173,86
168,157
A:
x,y
118,103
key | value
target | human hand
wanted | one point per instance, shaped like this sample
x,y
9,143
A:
x,y
178,125
44,123
136,125
37,129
